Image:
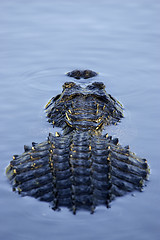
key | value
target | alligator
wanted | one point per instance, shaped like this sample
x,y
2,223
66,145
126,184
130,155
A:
x,y
82,167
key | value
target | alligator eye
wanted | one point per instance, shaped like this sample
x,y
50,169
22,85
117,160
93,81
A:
x,y
99,85
68,85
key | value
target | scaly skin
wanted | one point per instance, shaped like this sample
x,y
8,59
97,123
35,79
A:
x,y
82,168
88,108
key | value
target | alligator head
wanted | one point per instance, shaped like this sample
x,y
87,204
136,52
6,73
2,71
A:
x,y
84,107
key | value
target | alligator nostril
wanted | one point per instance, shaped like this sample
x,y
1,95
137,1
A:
x,y
89,74
75,74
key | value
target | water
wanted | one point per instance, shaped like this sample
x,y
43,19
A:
x,y
39,42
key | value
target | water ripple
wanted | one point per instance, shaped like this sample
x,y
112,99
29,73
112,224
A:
x,y
45,79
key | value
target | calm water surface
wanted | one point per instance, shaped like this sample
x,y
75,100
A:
x,y
39,42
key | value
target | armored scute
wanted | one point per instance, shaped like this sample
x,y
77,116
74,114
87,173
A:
x,y
80,168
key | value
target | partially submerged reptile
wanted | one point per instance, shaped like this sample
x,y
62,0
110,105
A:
x,y
80,168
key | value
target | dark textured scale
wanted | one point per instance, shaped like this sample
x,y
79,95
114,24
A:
x,y
41,147
100,159
60,158
83,201
65,192
35,183
65,202
81,180
81,163
38,192
78,171
125,176
80,155
29,157
62,175
127,186
60,152
80,143
100,152
35,173
82,190
130,160
61,166
101,194
128,168
77,149
63,184
79,168
103,176
47,197
100,147
100,168
101,185
30,165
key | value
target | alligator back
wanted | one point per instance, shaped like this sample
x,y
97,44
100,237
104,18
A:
x,y
77,171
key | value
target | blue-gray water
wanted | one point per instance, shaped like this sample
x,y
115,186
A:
x,y
39,42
